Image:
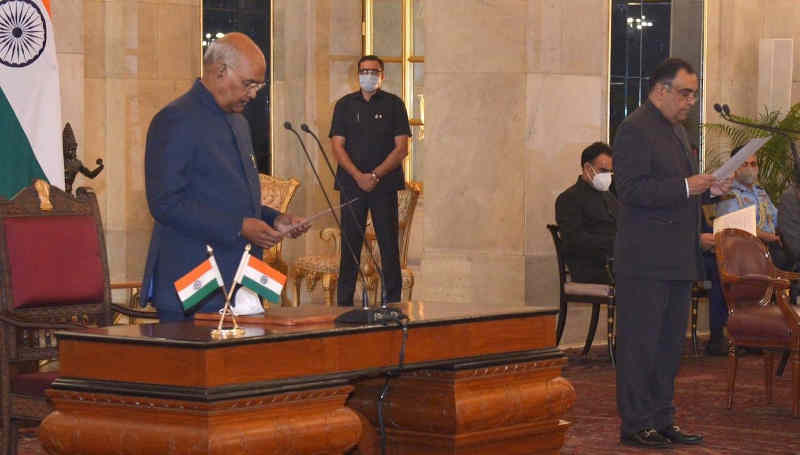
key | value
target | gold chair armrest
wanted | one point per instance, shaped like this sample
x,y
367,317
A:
x,y
335,236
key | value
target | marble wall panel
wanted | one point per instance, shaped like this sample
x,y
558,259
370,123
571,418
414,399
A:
x,y
345,18
147,54
463,276
119,95
178,46
562,37
343,80
122,39
70,68
478,135
68,24
95,38
476,36
92,144
137,242
565,113
780,20
541,279
740,26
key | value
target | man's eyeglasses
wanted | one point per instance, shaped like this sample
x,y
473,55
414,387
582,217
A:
x,y
685,93
750,164
248,84
371,72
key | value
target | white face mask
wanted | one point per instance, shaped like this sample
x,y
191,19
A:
x,y
601,181
368,82
747,176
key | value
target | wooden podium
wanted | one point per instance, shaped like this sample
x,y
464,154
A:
x,y
477,379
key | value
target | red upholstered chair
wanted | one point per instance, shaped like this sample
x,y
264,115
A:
x,y
757,294
53,275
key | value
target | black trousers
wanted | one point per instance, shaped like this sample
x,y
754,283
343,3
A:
x,y
651,326
383,208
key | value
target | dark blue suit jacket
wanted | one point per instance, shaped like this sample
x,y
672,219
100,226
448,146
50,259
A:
x,y
658,229
201,182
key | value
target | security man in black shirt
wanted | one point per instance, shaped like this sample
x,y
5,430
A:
x,y
369,136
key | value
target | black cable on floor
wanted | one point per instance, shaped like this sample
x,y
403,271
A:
x,y
403,322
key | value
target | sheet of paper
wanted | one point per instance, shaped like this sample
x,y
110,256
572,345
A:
x,y
319,214
744,219
727,168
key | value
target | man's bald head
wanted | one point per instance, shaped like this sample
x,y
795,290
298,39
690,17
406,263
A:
x,y
233,71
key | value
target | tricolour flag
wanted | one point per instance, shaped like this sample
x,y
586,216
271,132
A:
x,y
30,99
260,278
199,283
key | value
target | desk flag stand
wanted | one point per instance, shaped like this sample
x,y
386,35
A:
x,y
234,332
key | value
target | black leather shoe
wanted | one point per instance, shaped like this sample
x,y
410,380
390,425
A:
x,y
647,438
674,434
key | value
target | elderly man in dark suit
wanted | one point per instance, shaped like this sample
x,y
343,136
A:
x,y
201,178
658,253
586,214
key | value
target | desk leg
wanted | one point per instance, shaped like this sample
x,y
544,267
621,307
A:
x,y
511,409
302,422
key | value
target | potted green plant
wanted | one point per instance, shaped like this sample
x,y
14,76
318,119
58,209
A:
x,y
775,161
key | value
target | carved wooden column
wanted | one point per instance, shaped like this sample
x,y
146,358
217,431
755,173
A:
x,y
512,408
302,422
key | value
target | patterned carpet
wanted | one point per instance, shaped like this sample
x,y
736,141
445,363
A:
x,y
752,427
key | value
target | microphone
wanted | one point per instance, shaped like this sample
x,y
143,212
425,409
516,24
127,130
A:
x,y
364,315
364,297
725,112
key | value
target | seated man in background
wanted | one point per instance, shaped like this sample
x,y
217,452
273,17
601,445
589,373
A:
x,y
586,214
747,192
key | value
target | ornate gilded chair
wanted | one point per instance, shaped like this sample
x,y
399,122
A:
x,y
314,269
757,295
53,275
277,194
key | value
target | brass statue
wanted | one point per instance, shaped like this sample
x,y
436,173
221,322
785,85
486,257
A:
x,y
72,165
43,191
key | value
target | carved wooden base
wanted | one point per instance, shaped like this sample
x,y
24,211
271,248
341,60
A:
x,y
509,409
304,422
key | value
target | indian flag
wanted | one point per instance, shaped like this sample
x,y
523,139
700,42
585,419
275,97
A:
x,y
30,99
260,278
199,283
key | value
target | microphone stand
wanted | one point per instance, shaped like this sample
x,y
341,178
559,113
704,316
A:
x,y
364,296
364,315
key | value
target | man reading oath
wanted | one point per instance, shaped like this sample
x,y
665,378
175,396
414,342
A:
x,y
658,254
202,182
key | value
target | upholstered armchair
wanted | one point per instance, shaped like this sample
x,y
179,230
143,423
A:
x,y
53,276
757,295
277,194
325,268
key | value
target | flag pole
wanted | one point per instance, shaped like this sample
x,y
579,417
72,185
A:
x,y
236,331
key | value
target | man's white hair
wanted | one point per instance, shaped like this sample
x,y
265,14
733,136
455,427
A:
x,y
220,51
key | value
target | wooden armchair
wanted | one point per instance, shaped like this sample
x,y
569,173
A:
x,y
757,295
53,275
325,268
277,194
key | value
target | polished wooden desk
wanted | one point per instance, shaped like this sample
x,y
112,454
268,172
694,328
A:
x,y
477,379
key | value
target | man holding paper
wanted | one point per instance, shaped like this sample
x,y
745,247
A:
x,y
746,192
202,182
657,253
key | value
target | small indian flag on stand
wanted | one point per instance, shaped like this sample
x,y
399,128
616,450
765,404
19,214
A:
x,y
260,278
199,283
